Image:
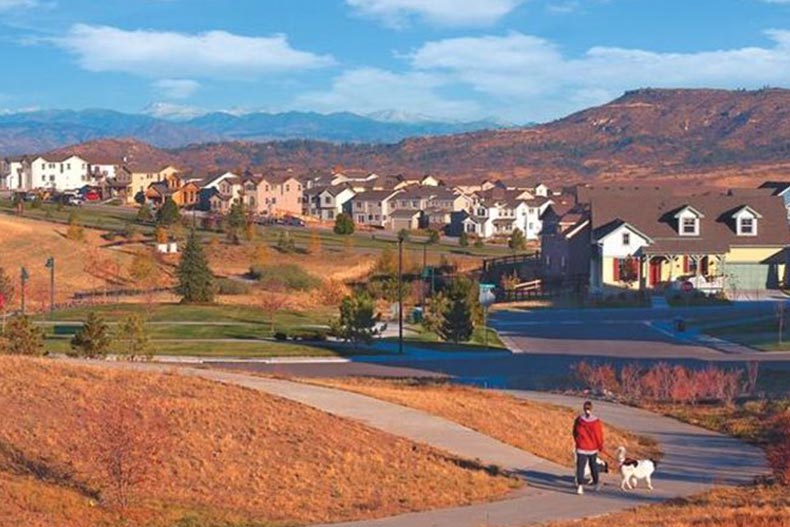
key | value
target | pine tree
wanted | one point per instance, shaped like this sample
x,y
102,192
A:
x,y
517,241
195,281
92,340
344,224
133,339
144,214
463,240
357,321
168,213
75,231
7,288
22,337
458,324
434,236
235,222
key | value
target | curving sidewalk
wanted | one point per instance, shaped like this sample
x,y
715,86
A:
x,y
695,459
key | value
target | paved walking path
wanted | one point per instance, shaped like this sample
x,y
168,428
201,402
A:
x,y
694,460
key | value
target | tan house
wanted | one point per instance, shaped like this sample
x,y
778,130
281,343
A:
x,y
373,207
227,191
717,242
278,194
184,194
134,179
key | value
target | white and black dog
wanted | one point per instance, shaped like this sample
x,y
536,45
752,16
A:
x,y
603,467
632,470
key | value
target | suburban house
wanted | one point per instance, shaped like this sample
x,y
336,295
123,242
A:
x,y
277,194
373,207
442,204
652,239
326,203
781,189
134,180
225,193
499,212
565,243
15,173
59,172
183,194
408,219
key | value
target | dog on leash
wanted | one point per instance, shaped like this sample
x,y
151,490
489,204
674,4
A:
x,y
633,470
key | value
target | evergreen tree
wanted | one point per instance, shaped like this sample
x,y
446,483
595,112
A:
x,y
357,321
92,340
144,214
133,339
463,240
7,288
75,231
168,213
458,323
344,224
22,337
235,222
517,241
434,236
195,281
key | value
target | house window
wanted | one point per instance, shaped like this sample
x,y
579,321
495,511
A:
x,y
288,188
360,218
327,200
747,227
626,238
689,226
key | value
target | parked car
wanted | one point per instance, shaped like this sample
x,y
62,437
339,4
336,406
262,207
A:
x,y
293,221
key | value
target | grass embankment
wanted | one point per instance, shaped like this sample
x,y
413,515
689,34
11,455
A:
x,y
209,331
756,506
762,334
211,454
542,429
750,506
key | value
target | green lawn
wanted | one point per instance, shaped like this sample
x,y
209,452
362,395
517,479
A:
x,y
430,340
228,349
104,218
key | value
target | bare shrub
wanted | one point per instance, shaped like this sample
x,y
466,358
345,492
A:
x,y
657,382
779,451
684,389
126,445
630,381
601,378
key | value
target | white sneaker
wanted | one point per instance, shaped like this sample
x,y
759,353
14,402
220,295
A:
x,y
580,490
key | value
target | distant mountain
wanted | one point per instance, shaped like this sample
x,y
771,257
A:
x,y
682,137
171,126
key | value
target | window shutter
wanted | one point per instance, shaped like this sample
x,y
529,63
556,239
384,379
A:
x,y
635,267
685,264
616,270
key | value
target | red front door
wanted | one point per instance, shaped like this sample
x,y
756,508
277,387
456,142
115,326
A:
x,y
655,271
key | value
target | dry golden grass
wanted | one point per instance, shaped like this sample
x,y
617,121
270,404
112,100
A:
x,y
29,243
756,506
542,429
232,455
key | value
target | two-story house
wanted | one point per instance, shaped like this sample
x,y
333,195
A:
x,y
59,172
279,193
373,207
15,173
325,203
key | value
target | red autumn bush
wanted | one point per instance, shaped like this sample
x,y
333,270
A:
x,y
778,452
661,382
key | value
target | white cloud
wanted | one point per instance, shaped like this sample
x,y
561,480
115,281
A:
x,y
529,78
175,112
368,90
176,88
440,12
6,5
160,53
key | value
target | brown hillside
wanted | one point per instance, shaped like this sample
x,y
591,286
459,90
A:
x,y
711,136
223,454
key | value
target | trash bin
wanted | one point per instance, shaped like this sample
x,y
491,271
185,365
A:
x,y
680,325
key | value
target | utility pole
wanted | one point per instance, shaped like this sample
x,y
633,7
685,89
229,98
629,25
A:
x,y
400,294
24,276
51,266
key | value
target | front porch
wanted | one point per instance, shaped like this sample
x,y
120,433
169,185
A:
x,y
659,272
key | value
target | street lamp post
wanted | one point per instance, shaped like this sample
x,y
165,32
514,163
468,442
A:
x,y
400,293
51,266
24,278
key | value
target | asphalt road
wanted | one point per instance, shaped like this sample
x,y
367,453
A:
x,y
546,343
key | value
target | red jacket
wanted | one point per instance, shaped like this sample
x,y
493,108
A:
x,y
588,434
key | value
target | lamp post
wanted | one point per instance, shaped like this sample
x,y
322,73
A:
x,y
24,276
51,266
400,293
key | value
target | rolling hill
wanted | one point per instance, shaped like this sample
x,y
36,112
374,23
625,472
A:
x,y
703,136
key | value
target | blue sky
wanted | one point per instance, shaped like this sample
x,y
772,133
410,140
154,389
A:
x,y
516,60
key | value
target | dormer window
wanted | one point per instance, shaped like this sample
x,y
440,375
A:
x,y
688,221
746,221
689,226
747,227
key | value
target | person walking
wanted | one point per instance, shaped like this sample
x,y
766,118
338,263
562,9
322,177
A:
x,y
588,437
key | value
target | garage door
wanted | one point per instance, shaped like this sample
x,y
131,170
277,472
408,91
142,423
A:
x,y
751,276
